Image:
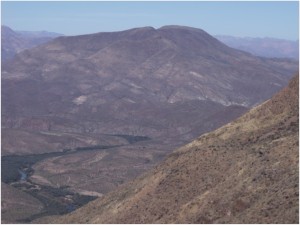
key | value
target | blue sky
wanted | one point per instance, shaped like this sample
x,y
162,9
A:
x,y
252,19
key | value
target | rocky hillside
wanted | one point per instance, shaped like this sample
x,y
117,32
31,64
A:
x,y
244,172
143,81
169,65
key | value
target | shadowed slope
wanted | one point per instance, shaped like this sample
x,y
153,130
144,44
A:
x,y
244,172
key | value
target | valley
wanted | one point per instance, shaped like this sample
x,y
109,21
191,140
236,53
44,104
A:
x,y
83,116
18,172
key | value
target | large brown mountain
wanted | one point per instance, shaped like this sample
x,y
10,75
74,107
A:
x,y
127,82
244,172
168,65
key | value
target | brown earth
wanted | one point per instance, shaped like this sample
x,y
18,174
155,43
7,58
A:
x,y
22,142
98,171
244,172
17,204
169,84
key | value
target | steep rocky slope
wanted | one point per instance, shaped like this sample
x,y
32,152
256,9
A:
x,y
244,172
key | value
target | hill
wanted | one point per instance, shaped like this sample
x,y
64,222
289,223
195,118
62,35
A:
x,y
244,172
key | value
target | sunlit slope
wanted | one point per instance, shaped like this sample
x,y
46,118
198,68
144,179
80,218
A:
x,y
244,172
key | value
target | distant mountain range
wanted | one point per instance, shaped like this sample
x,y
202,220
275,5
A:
x,y
14,42
168,85
244,172
265,47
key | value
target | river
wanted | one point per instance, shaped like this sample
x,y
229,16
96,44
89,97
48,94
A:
x,y
16,171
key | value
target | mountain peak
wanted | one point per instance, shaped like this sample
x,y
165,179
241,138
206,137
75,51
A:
x,y
5,27
181,27
141,32
146,28
178,27
172,55
6,30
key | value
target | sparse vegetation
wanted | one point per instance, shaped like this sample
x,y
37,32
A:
x,y
157,89
133,139
253,181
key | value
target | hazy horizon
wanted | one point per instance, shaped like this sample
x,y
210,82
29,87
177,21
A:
x,y
239,19
225,35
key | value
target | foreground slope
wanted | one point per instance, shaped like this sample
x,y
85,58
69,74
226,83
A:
x,y
244,172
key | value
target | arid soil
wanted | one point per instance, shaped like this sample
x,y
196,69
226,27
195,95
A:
x,y
169,85
11,206
244,172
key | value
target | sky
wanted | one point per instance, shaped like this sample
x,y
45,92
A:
x,y
242,19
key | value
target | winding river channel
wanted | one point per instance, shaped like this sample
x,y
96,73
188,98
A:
x,y
16,171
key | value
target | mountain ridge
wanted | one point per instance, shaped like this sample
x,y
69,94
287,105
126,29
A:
x,y
177,44
80,79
